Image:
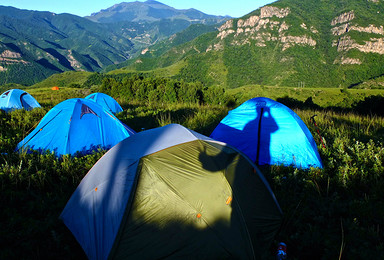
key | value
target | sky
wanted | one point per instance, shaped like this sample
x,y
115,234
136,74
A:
x,y
234,8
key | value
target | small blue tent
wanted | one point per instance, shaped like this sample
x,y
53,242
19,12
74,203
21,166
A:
x,y
76,125
17,99
105,101
166,193
269,133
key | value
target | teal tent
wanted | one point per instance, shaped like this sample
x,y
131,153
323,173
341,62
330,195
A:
x,y
108,102
76,125
171,193
17,99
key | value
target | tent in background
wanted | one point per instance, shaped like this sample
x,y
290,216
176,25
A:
x,y
170,192
17,99
55,88
105,101
76,125
269,133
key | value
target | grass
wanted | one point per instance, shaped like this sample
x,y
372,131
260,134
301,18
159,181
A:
x,y
64,79
48,97
168,71
331,213
323,97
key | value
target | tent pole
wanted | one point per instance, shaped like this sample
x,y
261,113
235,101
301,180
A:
x,y
258,137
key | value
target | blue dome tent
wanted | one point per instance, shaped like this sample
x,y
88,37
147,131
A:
x,y
269,133
76,125
17,99
105,101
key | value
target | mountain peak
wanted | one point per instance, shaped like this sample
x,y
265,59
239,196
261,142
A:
x,y
148,11
153,2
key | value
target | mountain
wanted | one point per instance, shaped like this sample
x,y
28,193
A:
x,y
35,45
157,49
326,43
149,22
150,11
314,43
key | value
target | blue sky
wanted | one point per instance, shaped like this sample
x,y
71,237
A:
x,y
234,8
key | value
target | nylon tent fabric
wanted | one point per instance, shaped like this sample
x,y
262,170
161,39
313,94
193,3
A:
x,y
17,99
269,133
170,192
75,126
108,102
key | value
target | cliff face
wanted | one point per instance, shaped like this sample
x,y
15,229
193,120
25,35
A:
x,y
343,25
270,26
329,35
264,28
8,57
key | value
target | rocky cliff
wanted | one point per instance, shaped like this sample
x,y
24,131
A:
x,y
318,37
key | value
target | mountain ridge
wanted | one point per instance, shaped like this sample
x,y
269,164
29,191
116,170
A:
x,y
35,45
287,43
319,43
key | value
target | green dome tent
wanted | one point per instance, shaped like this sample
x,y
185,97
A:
x,y
170,192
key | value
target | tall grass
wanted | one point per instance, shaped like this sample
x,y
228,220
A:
x,y
199,118
336,211
328,213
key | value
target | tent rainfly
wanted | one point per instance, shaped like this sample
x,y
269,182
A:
x,y
269,133
170,192
17,99
108,102
76,125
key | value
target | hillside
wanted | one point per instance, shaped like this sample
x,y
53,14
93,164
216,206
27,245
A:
x,y
287,43
156,50
35,45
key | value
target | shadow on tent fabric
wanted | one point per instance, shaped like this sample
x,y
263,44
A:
x,y
24,103
254,140
253,202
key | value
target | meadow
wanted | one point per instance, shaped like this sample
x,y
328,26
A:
x,y
331,213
